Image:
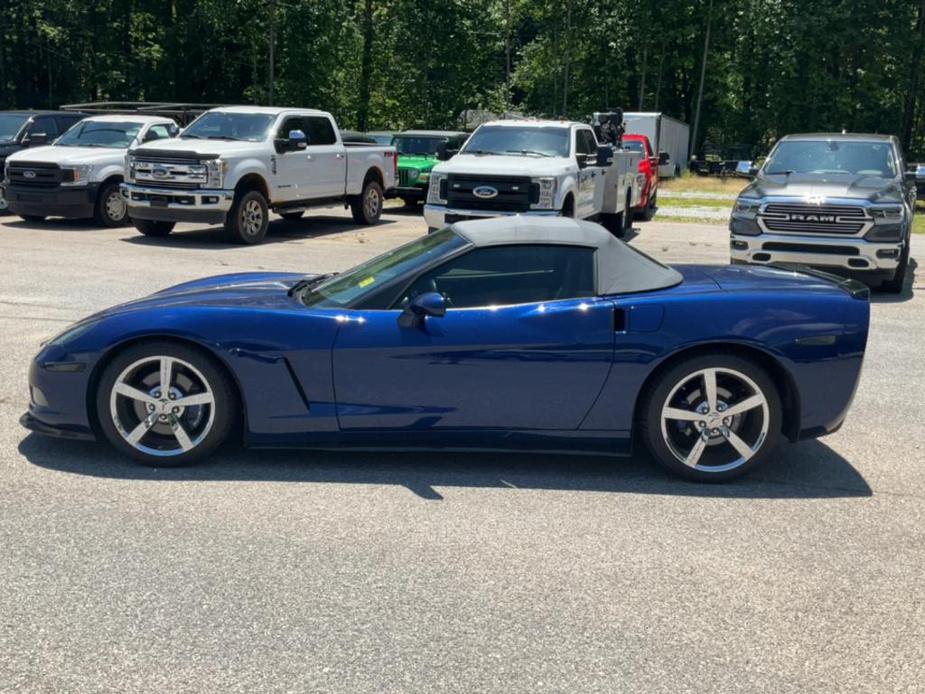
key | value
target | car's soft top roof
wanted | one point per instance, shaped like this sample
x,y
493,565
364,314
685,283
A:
x,y
620,268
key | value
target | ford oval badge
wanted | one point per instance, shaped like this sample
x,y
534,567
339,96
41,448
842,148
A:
x,y
28,174
485,192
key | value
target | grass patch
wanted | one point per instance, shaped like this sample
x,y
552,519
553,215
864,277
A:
x,y
691,220
688,183
697,202
918,223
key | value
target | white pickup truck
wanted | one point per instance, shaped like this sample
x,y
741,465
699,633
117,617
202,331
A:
x,y
232,165
536,167
79,175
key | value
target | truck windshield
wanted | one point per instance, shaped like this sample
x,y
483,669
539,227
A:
x,y
352,286
89,133
417,145
10,125
832,157
507,139
222,125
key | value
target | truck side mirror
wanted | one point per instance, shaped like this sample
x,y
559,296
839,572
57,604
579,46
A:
x,y
443,153
35,139
664,158
604,155
582,159
297,140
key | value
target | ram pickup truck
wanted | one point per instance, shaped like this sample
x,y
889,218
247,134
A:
x,y
22,129
839,202
233,165
79,175
539,168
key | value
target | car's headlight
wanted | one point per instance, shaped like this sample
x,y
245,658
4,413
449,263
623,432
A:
x,y
746,209
72,332
423,176
543,195
215,172
76,175
413,173
436,193
887,215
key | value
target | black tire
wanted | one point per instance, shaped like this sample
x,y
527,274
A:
x,y
110,209
149,227
613,223
33,217
568,207
367,206
718,452
292,216
627,215
651,208
129,411
897,283
248,218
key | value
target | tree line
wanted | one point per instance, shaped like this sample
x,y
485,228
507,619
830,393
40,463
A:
x,y
771,66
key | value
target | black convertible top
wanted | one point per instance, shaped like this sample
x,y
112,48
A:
x,y
620,268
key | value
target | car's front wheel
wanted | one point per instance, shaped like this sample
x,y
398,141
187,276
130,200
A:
x,y
111,209
248,219
165,403
897,283
711,418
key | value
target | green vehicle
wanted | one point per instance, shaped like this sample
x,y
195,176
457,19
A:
x,y
419,151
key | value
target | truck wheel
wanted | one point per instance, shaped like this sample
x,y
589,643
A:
x,y
292,216
897,283
33,217
614,223
652,207
367,206
110,209
149,227
248,218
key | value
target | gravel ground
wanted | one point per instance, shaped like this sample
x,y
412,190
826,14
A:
x,y
366,572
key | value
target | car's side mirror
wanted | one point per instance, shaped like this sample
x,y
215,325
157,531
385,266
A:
x,y
582,159
36,139
604,155
297,140
664,158
442,152
752,171
430,304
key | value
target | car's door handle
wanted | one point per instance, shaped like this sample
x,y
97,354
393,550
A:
x,y
339,156
308,157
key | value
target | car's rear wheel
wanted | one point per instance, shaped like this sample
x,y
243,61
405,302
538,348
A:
x,y
165,404
367,206
149,227
711,418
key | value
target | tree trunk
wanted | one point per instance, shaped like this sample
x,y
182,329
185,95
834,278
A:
x,y
366,66
915,65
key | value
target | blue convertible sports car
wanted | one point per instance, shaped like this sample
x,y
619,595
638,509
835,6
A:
x,y
540,334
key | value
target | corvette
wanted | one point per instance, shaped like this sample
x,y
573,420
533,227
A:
x,y
508,333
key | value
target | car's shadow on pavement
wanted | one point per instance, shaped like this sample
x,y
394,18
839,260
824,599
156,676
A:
x,y
808,470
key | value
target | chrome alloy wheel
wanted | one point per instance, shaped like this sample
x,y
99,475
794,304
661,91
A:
x,y
115,205
251,217
4,205
715,419
162,406
372,202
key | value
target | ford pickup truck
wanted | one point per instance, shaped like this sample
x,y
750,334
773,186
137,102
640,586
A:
x,y
839,202
235,164
539,168
79,175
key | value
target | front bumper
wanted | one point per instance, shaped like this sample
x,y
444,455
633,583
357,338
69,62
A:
x,y
177,205
852,255
76,202
438,216
30,422
58,398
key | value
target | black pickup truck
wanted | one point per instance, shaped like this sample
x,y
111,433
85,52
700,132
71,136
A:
x,y
21,129
840,202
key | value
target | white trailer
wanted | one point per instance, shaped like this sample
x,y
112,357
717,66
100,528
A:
x,y
666,134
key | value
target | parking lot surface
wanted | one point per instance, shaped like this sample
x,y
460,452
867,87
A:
x,y
375,572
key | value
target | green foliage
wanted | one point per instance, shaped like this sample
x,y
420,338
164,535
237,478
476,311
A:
x,y
774,66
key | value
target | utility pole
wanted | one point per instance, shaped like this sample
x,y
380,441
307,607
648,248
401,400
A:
x,y
703,74
272,51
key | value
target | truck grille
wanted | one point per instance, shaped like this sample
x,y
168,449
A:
x,y
162,172
814,219
34,175
512,193
404,178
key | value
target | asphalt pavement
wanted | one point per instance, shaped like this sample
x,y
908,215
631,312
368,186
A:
x,y
446,572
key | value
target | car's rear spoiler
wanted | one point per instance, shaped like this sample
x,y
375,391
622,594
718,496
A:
x,y
855,289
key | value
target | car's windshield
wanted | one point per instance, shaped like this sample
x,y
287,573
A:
x,y
351,286
10,124
91,133
222,125
544,141
832,157
408,144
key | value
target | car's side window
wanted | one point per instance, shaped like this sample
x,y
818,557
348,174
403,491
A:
x,y
586,144
44,124
157,132
503,275
289,124
319,131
